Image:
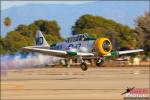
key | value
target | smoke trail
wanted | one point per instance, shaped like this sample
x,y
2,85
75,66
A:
x,y
20,60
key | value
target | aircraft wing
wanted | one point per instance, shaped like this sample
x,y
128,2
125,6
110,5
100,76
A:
x,y
60,53
115,53
57,53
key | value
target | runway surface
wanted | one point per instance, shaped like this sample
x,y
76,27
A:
x,y
72,83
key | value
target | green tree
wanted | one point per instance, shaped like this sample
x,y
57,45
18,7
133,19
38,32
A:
x,y
24,35
2,45
122,36
7,22
23,29
143,31
50,29
14,41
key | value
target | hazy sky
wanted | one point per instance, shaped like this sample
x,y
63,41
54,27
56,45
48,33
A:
x,y
8,4
124,12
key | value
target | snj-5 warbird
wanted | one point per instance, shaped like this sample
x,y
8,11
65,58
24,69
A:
x,y
78,46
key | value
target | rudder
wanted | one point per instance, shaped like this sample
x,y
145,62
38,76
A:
x,y
40,40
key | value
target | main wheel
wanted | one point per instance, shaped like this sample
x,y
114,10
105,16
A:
x,y
99,62
84,66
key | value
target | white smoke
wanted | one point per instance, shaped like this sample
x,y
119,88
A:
x,y
20,61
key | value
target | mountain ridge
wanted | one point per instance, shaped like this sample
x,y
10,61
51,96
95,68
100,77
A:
x,y
66,14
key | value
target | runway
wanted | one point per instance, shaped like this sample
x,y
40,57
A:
x,y
72,83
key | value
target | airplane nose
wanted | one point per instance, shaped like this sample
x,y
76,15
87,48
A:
x,y
103,46
106,46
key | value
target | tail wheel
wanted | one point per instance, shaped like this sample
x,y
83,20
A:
x,y
84,66
99,62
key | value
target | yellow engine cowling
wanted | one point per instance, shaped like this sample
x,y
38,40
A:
x,y
103,46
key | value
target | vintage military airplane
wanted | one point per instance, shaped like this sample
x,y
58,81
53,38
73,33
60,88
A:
x,y
78,46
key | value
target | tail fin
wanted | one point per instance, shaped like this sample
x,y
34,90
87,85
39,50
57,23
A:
x,y
40,40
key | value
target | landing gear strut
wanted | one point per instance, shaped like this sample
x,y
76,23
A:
x,y
100,62
83,65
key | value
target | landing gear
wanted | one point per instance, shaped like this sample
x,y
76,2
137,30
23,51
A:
x,y
83,65
99,62
67,63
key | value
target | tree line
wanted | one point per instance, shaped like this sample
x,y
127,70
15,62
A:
x,y
122,36
24,35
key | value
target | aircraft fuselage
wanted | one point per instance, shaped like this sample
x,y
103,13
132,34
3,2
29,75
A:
x,y
81,43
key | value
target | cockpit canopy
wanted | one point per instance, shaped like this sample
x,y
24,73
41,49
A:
x,y
79,37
